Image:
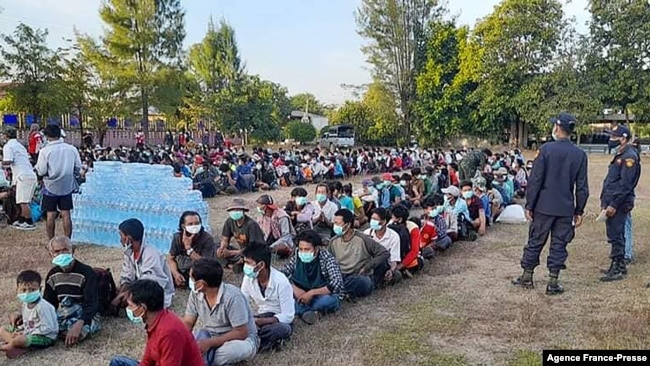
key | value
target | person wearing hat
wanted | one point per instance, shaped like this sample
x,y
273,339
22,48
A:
x,y
141,262
504,185
452,202
243,229
480,190
617,198
555,202
276,226
23,179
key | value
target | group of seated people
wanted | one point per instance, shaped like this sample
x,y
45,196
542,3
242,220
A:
x,y
339,244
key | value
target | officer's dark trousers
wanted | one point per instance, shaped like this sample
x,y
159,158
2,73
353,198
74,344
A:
x,y
561,230
615,226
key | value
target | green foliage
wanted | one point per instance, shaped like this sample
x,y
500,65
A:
x,y
396,31
35,72
301,132
355,113
618,61
141,39
300,102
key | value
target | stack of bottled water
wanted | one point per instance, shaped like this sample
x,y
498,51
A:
x,y
116,191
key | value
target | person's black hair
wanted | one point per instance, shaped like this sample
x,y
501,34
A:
x,y
383,213
259,252
224,168
434,200
148,293
53,131
416,221
208,270
322,185
347,215
487,152
11,132
310,236
400,212
335,186
177,168
299,192
132,228
185,214
454,166
416,171
347,189
28,276
406,177
465,183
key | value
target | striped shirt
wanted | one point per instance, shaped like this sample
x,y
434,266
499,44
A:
x,y
79,285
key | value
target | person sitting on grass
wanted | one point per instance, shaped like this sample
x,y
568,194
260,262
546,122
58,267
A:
x,y
271,292
168,340
315,277
363,261
243,229
409,232
71,287
36,327
300,210
474,207
189,244
276,226
389,239
434,233
229,333
141,261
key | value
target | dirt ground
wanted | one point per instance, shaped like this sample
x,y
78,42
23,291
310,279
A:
x,y
461,311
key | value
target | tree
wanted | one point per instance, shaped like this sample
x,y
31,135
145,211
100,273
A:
x,y
358,114
382,108
396,30
443,87
306,101
516,44
301,132
140,39
217,73
34,71
620,54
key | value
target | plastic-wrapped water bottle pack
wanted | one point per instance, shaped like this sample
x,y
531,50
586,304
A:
x,y
116,191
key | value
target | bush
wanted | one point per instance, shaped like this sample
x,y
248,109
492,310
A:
x,y
301,132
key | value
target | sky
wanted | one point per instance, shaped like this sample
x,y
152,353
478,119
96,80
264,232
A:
x,y
306,45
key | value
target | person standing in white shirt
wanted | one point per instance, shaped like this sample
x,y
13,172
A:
x,y
15,155
389,239
58,163
271,292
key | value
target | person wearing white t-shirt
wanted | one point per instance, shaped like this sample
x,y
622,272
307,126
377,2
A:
x,y
15,155
389,239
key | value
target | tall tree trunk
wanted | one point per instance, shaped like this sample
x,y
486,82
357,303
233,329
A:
x,y
145,113
512,141
521,134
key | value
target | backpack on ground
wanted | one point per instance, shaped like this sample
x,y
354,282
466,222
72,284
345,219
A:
x,y
107,291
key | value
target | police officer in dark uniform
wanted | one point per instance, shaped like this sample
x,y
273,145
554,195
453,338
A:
x,y
555,201
617,198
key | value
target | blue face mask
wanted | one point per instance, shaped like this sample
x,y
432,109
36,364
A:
x,y
380,186
467,195
301,201
236,215
249,271
136,320
29,297
306,257
63,260
321,197
338,230
260,211
375,224
436,211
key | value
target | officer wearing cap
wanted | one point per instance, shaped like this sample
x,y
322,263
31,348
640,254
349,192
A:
x,y
617,198
555,201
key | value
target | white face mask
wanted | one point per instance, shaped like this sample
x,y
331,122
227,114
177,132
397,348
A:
x,y
193,229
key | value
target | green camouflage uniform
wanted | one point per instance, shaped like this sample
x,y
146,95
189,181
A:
x,y
472,162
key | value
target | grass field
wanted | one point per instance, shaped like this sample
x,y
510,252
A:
x,y
461,311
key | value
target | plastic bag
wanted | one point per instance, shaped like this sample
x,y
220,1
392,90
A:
x,y
512,214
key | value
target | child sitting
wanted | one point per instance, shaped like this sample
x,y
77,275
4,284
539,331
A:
x,y
38,319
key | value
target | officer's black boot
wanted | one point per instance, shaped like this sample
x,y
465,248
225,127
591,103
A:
x,y
525,280
553,287
617,271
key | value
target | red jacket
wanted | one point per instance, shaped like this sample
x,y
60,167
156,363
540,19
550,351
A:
x,y
169,343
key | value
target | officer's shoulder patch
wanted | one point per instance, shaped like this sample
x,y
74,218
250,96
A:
x,y
630,162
